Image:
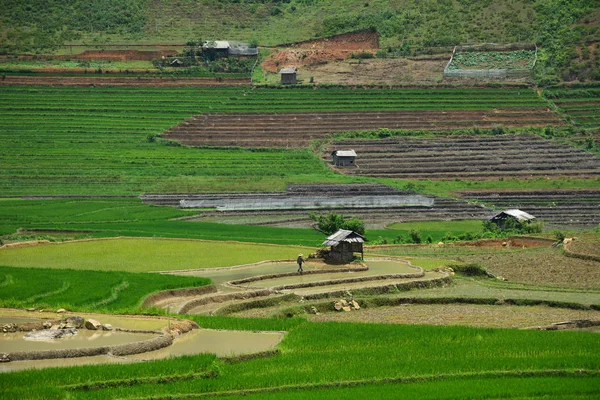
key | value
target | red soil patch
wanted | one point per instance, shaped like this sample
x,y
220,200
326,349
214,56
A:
x,y
320,51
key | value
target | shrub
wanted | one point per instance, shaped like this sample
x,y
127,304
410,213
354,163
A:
x,y
330,223
472,269
415,236
363,55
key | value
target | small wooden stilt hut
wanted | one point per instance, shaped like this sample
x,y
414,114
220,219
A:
x,y
344,244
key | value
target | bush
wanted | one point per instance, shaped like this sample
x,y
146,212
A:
x,y
330,223
362,55
472,269
415,236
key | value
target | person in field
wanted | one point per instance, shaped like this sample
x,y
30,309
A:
x,y
300,260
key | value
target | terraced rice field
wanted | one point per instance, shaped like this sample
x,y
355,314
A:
x,y
467,157
374,216
563,208
298,129
284,118
581,105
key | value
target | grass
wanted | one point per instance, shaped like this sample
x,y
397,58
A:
x,y
102,141
436,229
93,291
373,355
130,217
150,255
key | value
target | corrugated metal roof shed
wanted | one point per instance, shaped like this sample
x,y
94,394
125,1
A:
x,y
518,214
343,235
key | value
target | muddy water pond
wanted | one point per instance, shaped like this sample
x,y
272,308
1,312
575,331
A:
x,y
221,343
13,342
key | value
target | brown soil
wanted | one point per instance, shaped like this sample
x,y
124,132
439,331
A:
x,y
119,55
359,40
544,266
299,129
586,244
400,71
320,51
469,157
120,81
504,316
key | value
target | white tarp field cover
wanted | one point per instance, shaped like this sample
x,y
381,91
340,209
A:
x,y
309,202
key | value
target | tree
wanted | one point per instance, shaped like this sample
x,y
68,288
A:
x,y
330,223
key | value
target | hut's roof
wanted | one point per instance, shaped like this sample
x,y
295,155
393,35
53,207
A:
x,y
288,70
344,153
343,235
216,44
516,213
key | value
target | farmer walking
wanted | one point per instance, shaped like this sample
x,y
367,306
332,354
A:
x,y
300,260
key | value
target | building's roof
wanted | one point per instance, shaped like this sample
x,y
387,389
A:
x,y
518,214
216,44
344,153
288,70
343,235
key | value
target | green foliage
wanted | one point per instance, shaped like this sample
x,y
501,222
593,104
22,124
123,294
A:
x,y
98,291
415,236
331,222
512,226
519,59
472,269
40,25
467,360
558,36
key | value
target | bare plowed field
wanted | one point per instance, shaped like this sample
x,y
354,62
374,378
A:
x,y
298,129
575,207
374,217
91,80
469,157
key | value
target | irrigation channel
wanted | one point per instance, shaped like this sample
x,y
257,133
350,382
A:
x,y
268,279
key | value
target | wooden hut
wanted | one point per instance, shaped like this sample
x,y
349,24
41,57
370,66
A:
x,y
518,215
344,244
288,76
343,158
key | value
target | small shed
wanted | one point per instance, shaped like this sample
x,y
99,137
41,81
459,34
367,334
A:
x,y
515,214
288,76
343,158
344,244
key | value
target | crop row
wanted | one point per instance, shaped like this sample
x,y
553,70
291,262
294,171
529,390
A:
x,y
581,105
510,155
564,207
